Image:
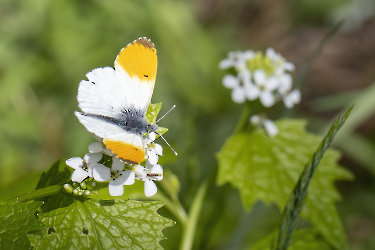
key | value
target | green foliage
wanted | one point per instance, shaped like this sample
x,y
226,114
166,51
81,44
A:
x,y
97,224
58,174
151,117
306,239
152,112
267,169
16,220
294,206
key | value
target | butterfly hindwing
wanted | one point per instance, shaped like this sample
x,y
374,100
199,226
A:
x,y
125,145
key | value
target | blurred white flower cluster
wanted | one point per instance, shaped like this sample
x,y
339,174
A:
x,y
264,76
119,174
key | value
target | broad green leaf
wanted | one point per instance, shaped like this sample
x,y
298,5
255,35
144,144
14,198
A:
x,y
267,169
306,239
58,174
96,224
16,220
294,206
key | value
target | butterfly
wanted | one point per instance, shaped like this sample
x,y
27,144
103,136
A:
x,y
114,101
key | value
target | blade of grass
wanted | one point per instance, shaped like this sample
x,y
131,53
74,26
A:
x,y
294,206
316,54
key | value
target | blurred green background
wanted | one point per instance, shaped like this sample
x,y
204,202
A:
x,y
47,47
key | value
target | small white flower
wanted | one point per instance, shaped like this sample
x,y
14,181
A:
x,y
153,150
237,59
280,62
268,124
292,98
239,85
84,167
116,175
149,174
263,88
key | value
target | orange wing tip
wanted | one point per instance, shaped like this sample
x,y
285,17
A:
x,y
139,60
127,152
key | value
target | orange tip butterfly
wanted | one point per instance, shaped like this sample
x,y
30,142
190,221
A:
x,y
114,101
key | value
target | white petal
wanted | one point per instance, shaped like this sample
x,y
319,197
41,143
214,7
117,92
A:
x,y
129,177
117,164
270,128
255,119
245,76
240,65
149,166
152,157
93,157
158,149
74,162
140,171
260,77
150,188
79,175
252,91
248,54
230,81
101,173
226,63
151,136
289,66
270,52
267,99
271,84
285,84
157,170
96,147
238,94
115,190
288,102
296,96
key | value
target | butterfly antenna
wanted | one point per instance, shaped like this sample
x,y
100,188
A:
x,y
165,115
174,151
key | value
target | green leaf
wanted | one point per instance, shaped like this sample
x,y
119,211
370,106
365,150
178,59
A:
x,y
152,112
151,117
58,174
306,239
98,224
267,169
294,206
16,220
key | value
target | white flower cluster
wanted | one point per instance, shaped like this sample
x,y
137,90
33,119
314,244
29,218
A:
x,y
119,174
264,76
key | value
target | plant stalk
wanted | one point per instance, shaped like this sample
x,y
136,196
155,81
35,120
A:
x,y
39,193
191,223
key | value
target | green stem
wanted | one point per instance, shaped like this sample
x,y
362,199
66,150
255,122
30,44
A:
x,y
39,193
244,119
192,220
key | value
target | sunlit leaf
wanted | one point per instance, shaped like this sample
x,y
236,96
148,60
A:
x,y
267,169
16,220
152,112
110,224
